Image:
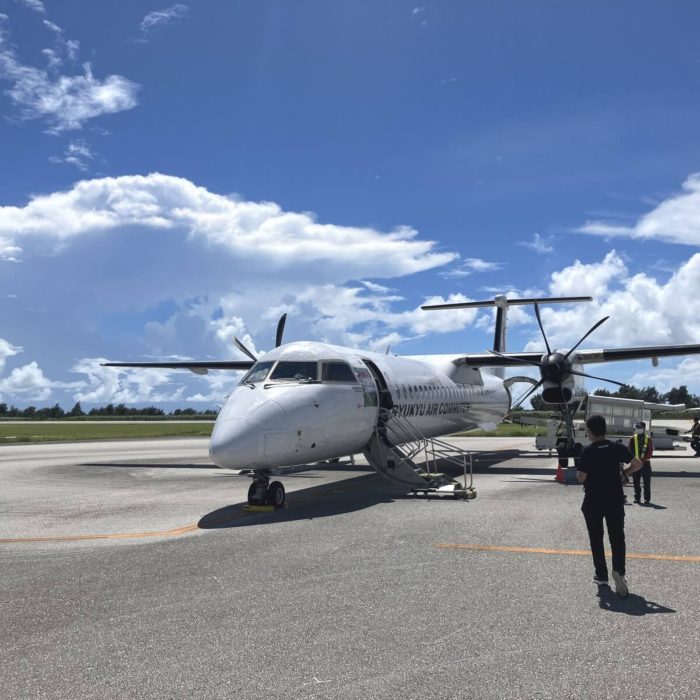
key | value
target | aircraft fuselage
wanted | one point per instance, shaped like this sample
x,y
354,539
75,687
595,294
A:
x,y
278,416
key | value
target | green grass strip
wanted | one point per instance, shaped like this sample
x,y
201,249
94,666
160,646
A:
x,y
49,432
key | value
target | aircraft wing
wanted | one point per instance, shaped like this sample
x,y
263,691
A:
x,y
620,354
194,366
512,359
515,359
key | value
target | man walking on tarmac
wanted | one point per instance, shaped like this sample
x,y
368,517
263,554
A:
x,y
599,472
642,446
695,436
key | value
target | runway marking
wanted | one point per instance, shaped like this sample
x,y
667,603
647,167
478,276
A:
x,y
568,552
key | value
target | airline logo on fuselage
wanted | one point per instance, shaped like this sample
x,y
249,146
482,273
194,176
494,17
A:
x,y
407,410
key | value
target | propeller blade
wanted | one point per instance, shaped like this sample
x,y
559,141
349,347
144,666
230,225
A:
x,y
539,320
514,359
280,330
244,349
602,379
600,323
531,390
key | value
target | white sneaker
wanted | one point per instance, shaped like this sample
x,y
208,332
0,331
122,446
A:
x,y
620,585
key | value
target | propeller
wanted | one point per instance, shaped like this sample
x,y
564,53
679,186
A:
x,y
512,357
244,349
278,339
539,321
531,390
592,376
280,330
555,367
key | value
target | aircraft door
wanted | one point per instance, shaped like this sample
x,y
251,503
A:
x,y
385,399
370,394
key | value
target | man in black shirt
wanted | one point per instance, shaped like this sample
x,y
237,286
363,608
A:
x,y
695,436
599,472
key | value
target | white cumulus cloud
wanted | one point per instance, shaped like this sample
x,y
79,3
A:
x,y
665,378
28,383
245,229
7,350
675,220
642,310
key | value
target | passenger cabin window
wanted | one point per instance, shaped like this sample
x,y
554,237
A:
x,y
257,373
295,371
338,372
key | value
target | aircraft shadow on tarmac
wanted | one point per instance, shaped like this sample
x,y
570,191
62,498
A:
x,y
631,605
321,501
351,495
488,463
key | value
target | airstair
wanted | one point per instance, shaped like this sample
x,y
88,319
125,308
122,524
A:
x,y
401,453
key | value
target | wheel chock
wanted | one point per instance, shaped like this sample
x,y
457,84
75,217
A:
x,y
259,509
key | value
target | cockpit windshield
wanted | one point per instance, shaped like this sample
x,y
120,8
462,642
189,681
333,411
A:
x,y
338,372
257,372
295,371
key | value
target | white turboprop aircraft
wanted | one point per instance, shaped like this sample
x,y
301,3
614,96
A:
x,y
306,402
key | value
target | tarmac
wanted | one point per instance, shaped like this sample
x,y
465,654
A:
x,y
128,569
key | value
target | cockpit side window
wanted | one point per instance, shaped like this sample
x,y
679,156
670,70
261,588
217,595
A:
x,y
337,372
257,372
299,371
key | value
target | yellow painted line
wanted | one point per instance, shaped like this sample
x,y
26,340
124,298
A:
x,y
569,552
122,535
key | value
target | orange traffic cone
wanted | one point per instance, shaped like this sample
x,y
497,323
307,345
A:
x,y
559,476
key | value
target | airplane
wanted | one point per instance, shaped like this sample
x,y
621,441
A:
x,y
306,402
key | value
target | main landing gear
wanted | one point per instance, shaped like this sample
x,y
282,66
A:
x,y
263,492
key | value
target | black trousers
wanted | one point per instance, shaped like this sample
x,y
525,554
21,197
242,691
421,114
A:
x,y
643,474
614,516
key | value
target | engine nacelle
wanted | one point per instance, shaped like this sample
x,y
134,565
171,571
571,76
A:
x,y
559,386
555,393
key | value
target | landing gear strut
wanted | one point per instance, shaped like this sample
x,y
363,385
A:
x,y
262,492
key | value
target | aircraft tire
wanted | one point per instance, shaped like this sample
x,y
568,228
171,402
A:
x,y
276,495
252,501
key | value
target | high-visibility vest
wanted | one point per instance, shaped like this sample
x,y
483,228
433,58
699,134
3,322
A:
x,y
637,453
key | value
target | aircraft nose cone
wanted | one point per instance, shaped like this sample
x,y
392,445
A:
x,y
234,444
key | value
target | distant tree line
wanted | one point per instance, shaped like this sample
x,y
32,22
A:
x,y
55,412
627,391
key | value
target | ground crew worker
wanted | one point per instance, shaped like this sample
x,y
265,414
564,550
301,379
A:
x,y
599,472
642,446
695,436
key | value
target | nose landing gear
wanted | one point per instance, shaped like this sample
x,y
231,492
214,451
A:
x,y
262,492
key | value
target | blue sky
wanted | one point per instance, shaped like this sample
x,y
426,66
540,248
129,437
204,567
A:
x,y
175,174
